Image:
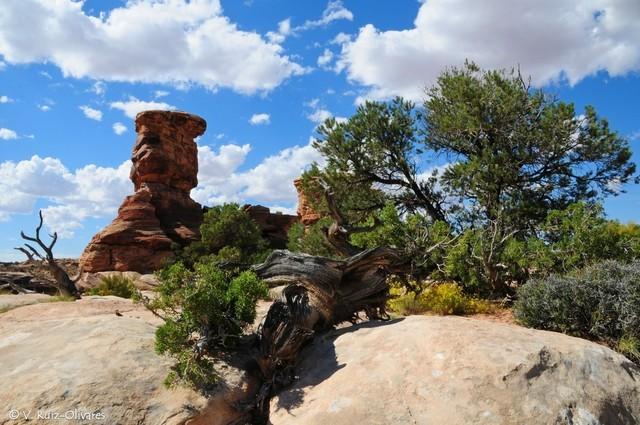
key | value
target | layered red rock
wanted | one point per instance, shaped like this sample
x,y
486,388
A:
x,y
160,213
275,226
306,213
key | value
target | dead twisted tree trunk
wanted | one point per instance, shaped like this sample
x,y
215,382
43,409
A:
x,y
320,294
63,283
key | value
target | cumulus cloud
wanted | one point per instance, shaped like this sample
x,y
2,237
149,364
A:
x,y
324,60
119,128
133,106
260,119
269,182
90,191
319,114
7,134
92,114
551,40
284,29
153,41
96,192
5,99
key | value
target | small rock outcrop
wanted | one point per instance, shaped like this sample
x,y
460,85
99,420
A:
x,y
84,363
306,213
160,212
275,226
458,371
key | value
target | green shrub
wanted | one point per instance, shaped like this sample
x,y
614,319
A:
x,y
228,234
443,299
600,302
117,285
205,310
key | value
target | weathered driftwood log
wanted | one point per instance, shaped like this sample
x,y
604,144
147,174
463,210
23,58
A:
x,y
24,283
321,293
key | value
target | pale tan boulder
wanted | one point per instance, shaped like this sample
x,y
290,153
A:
x,y
458,371
81,357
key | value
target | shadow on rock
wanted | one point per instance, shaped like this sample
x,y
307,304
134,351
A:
x,y
323,348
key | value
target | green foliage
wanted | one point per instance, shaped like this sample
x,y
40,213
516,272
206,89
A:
x,y
204,310
580,235
380,146
601,302
518,152
312,240
515,154
443,299
116,285
228,234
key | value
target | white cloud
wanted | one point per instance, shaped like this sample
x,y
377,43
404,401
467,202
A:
x,y
3,65
96,192
174,42
341,38
91,191
133,106
5,99
7,134
269,182
324,60
284,29
92,114
99,88
335,10
44,108
320,114
551,40
119,128
260,119
634,136
160,93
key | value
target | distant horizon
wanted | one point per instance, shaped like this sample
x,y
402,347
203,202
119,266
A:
x,y
263,74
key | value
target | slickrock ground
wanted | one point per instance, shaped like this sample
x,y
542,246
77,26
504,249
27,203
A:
x,y
80,357
459,371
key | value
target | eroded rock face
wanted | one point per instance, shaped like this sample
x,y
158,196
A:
x,y
160,212
306,213
80,356
452,370
274,226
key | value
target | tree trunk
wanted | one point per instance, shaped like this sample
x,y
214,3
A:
x,y
321,293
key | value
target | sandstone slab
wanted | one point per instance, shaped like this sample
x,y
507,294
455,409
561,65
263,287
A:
x,y
81,357
459,371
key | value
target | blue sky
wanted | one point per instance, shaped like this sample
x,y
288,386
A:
x,y
263,73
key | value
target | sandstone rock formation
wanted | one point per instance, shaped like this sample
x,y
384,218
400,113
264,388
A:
x,y
458,371
160,212
306,213
275,226
80,357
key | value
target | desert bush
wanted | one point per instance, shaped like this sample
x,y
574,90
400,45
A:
x,y
228,235
116,285
444,299
205,310
600,302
